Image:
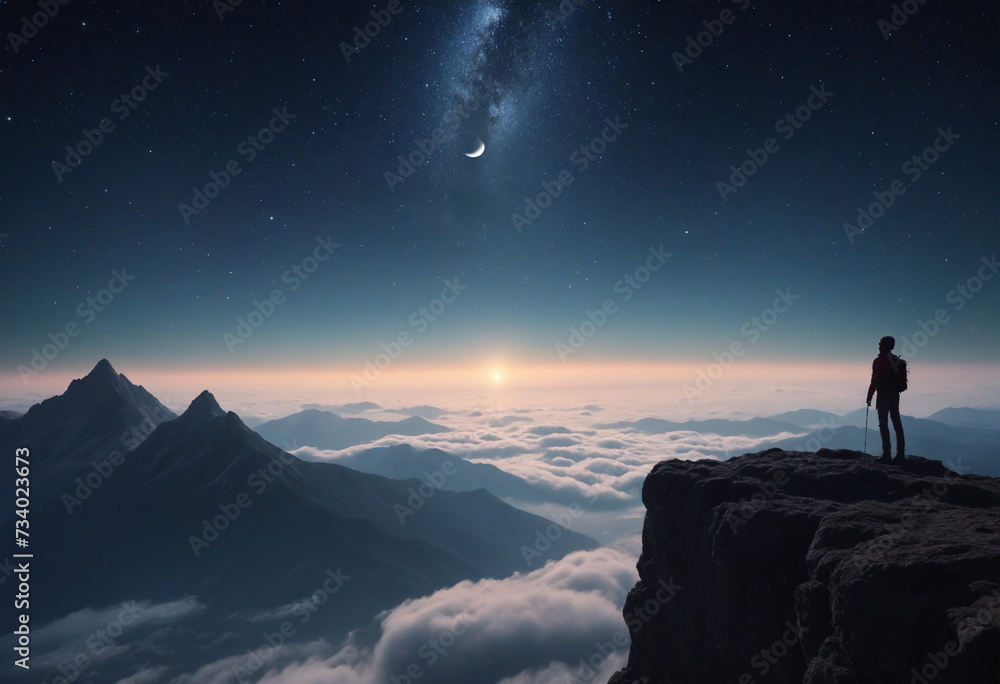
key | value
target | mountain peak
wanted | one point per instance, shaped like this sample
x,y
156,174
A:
x,y
102,382
103,367
102,374
97,414
203,404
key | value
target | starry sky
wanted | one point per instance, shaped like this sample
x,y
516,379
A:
x,y
252,163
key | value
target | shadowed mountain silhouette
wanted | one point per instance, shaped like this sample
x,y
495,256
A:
x,y
968,417
97,416
423,411
807,417
816,568
754,427
207,508
356,407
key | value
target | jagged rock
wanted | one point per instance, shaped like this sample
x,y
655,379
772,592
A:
x,y
825,568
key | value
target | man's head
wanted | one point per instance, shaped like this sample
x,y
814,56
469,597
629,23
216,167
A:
x,y
886,344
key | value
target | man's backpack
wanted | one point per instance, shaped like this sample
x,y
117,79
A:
x,y
900,373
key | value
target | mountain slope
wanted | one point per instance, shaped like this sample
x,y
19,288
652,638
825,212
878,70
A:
x,y
207,508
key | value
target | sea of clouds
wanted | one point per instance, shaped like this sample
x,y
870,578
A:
x,y
557,621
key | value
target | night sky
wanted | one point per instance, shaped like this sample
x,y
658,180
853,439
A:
x,y
626,128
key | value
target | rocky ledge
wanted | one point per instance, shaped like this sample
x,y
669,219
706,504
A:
x,y
825,568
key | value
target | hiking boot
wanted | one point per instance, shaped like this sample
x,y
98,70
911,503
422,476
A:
x,y
885,459
900,458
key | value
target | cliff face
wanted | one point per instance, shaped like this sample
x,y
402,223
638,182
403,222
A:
x,y
817,568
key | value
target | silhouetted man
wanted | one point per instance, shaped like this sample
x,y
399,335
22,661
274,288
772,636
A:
x,y
884,382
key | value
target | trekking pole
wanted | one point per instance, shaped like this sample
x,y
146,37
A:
x,y
866,429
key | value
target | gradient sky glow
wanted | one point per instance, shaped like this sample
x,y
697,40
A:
x,y
623,391
545,88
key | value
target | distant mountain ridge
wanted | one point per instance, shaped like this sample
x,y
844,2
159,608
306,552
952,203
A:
x,y
403,461
968,417
971,433
754,427
977,448
326,430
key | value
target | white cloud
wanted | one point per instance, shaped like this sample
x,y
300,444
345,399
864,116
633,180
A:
x,y
147,676
254,664
515,629
563,455
86,638
581,673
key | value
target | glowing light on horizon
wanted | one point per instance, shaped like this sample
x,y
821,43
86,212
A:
x,y
758,388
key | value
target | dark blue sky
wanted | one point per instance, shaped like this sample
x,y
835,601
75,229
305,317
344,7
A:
x,y
209,85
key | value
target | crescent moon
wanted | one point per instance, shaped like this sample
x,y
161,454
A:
x,y
478,151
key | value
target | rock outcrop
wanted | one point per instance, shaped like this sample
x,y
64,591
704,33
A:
x,y
825,568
